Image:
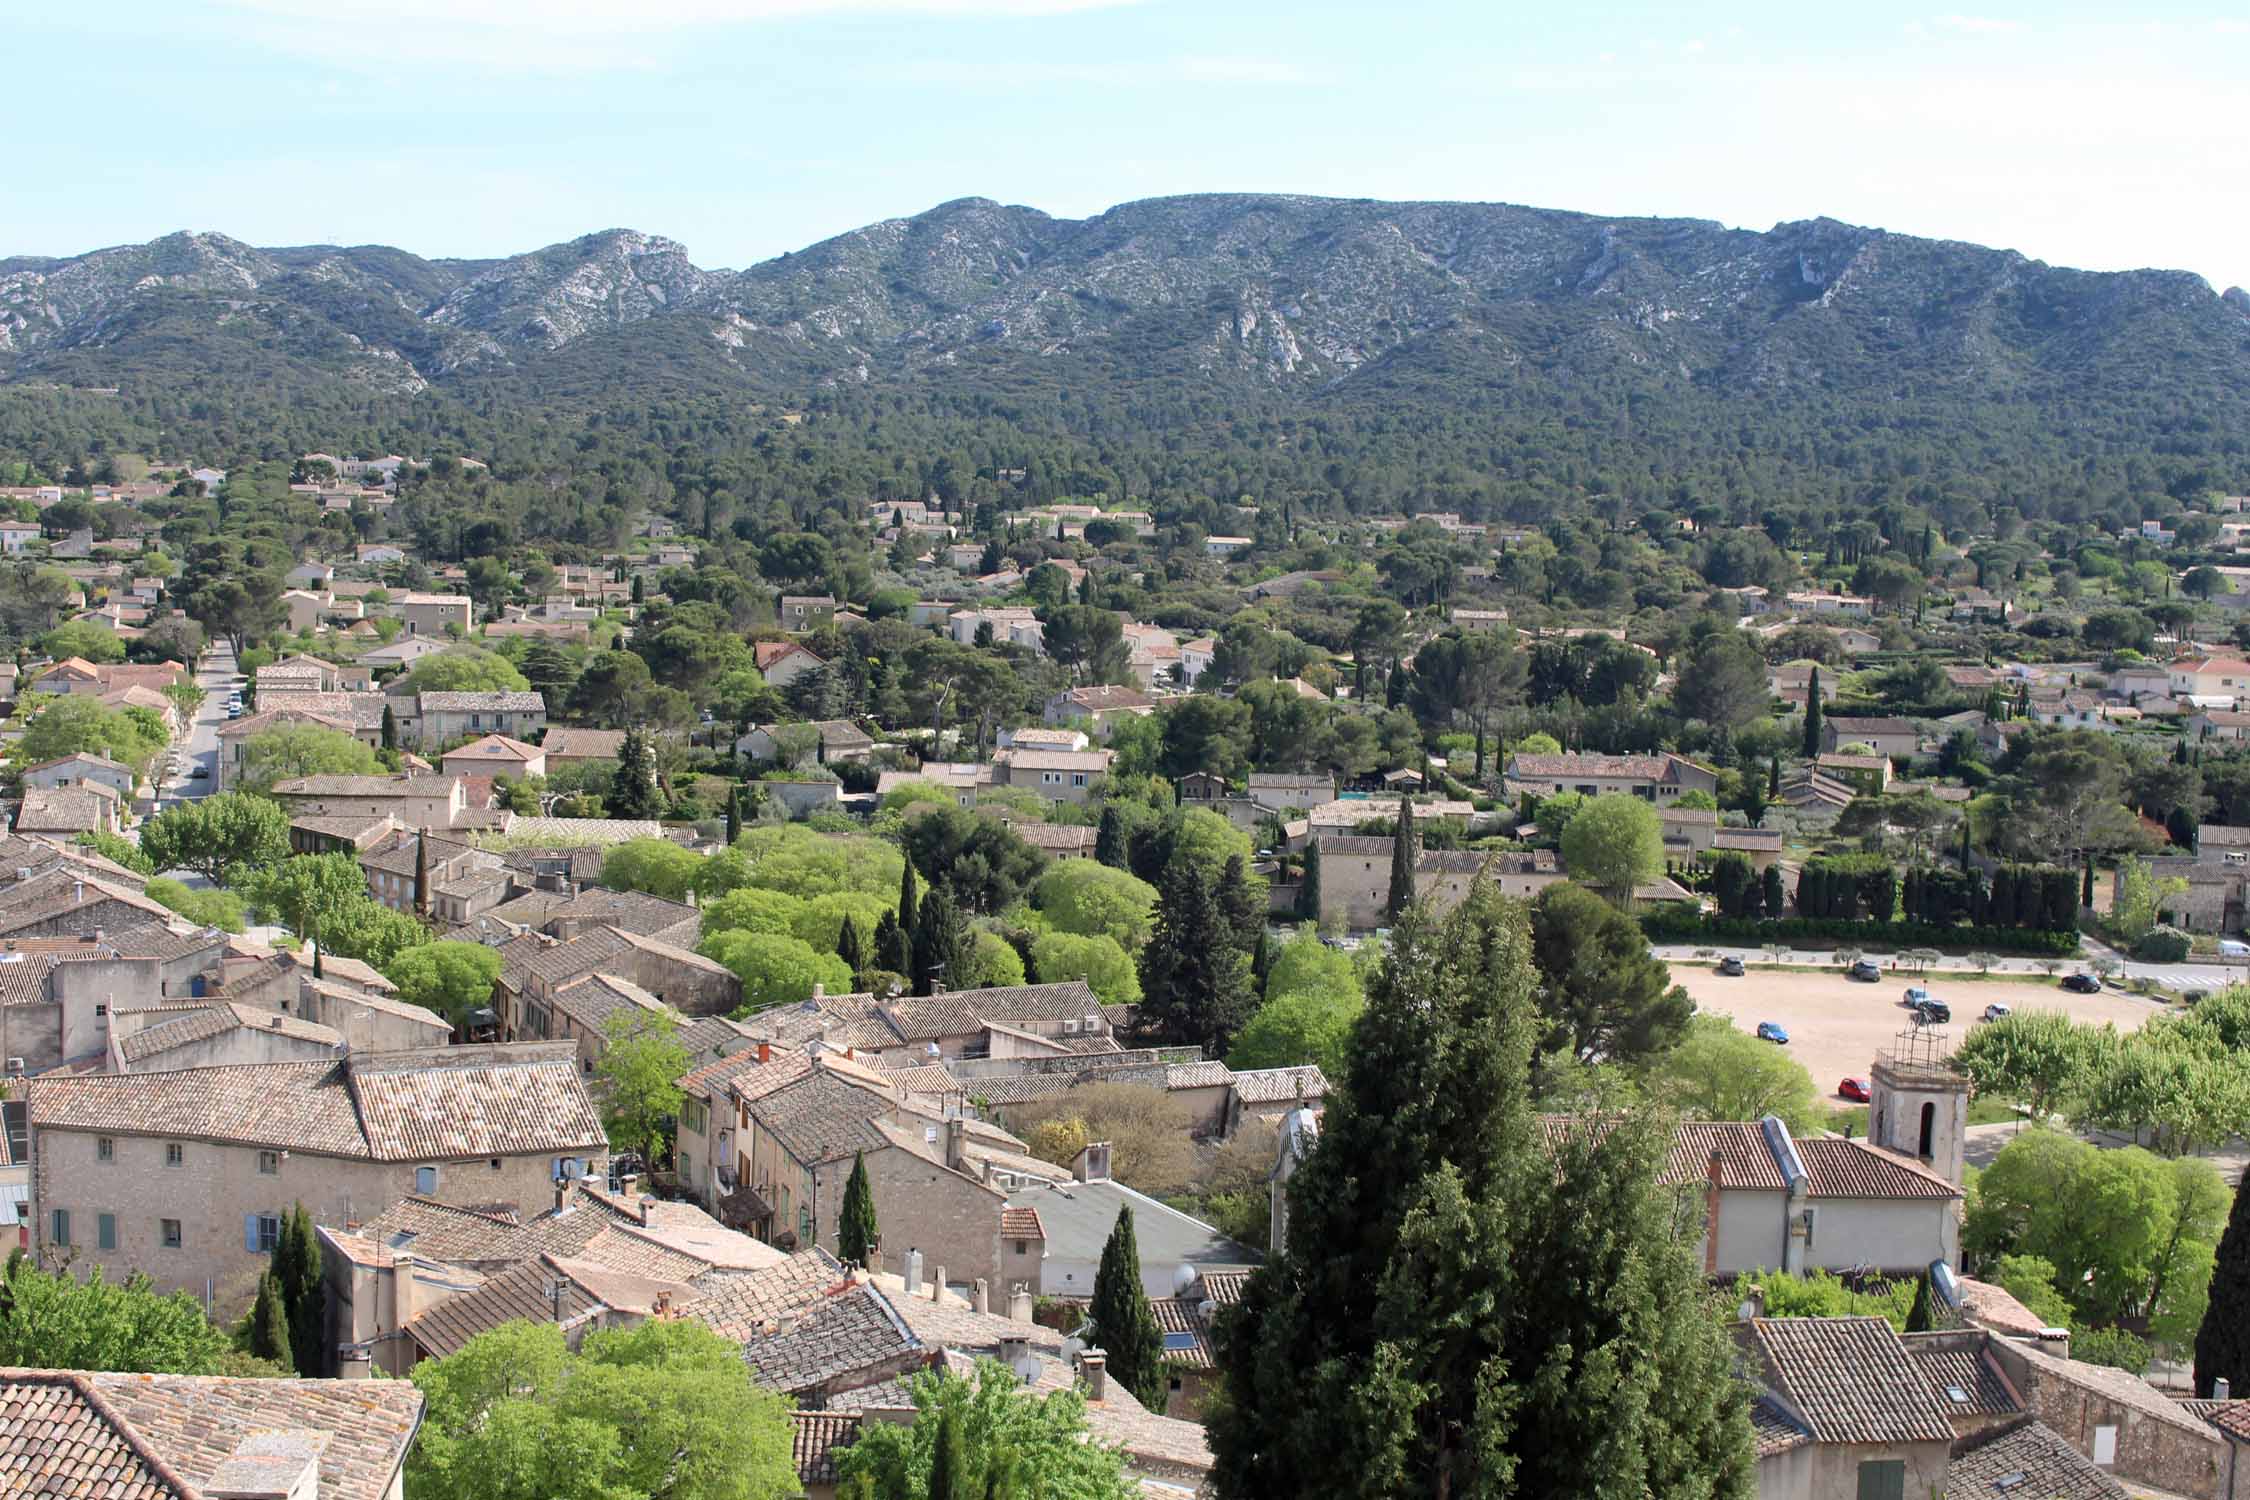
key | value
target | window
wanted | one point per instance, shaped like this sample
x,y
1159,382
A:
x,y
105,1231
105,1149
694,1116
269,1163
1023,1247
175,1154
1078,778
425,1180
58,1226
169,1231
495,1164
1882,1479
2105,1445
101,1010
261,1232
685,1164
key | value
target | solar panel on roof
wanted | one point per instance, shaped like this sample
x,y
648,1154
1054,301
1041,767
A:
x,y
1179,1342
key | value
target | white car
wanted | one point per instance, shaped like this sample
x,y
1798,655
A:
x,y
1995,1011
1916,994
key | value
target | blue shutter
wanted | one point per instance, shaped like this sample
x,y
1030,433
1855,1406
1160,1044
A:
x,y
250,1233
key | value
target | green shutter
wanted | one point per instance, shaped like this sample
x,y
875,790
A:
x,y
1883,1479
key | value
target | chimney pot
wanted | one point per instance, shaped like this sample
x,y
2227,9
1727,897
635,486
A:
x,y
956,1143
983,1297
1094,1366
765,1052
913,1276
1019,1305
2222,1389
819,991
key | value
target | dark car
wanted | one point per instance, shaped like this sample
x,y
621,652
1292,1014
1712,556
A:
x,y
2082,984
1730,965
1867,971
1854,1089
1932,1012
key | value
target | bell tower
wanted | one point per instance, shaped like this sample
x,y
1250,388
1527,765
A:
x,y
1918,1102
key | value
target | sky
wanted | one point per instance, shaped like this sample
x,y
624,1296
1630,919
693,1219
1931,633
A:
x,y
2093,135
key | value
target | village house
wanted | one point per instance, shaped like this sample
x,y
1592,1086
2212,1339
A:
x,y
414,801
565,748
184,1176
1895,739
1097,709
803,613
2212,681
80,769
1355,877
438,615
435,719
1653,778
495,755
1071,776
783,662
66,812
826,741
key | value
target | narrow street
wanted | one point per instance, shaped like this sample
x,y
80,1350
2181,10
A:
x,y
200,747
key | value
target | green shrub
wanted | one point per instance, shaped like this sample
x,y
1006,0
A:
x,y
2162,945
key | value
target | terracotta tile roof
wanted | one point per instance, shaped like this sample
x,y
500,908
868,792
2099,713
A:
x,y
141,1437
2026,1461
1196,1075
1021,1224
1849,1379
1773,1430
446,1231
814,1438
1989,1306
755,1304
493,702
853,1330
1744,1160
299,1106
2230,1417
529,1292
216,1020
1280,1085
1224,1287
1951,1362
593,1000
583,744
1854,1169
1186,1342
962,1012
822,1118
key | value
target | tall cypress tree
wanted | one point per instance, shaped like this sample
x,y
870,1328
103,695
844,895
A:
x,y
269,1324
941,938
1923,1315
421,874
1237,907
848,949
390,728
734,815
1124,1324
909,902
1813,713
1403,852
1308,894
948,1473
304,1293
632,790
2222,1344
893,949
1459,1287
857,1233
1195,983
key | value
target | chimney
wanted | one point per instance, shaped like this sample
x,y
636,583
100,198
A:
x,y
913,1277
1712,1172
1019,1304
937,1284
819,990
765,1052
1753,1303
1093,1368
2055,1341
983,1297
271,1464
406,1297
1092,1162
1014,1349
2222,1389
956,1142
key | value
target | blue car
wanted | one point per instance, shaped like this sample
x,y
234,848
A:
x,y
1769,1031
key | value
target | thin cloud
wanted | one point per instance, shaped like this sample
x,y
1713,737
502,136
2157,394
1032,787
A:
x,y
1980,25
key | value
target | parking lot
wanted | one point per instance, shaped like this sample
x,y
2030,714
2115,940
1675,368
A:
x,y
1836,1026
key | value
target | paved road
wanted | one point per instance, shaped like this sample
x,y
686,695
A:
x,y
2171,976
215,675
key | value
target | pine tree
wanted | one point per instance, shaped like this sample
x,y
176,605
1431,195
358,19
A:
x,y
1308,893
1813,712
1195,983
269,1324
941,939
1124,1324
1923,1315
1403,852
1459,1287
848,949
2222,1344
632,791
857,1233
894,951
304,1293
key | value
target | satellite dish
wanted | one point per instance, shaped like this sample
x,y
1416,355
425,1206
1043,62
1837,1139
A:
x,y
1183,1277
573,1169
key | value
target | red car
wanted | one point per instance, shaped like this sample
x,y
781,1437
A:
x,y
1854,1089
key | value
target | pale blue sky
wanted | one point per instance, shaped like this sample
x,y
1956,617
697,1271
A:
x,y
2101,135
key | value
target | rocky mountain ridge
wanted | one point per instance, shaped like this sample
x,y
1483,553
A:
x,y
1291,295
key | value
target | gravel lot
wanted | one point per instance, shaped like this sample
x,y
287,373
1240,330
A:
x,y
1835,1026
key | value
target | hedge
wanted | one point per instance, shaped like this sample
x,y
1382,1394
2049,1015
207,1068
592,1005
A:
x,y
1677,925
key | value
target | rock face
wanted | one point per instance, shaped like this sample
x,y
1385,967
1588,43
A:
x,y
1300,296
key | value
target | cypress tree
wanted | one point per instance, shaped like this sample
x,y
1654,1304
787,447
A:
x,y
1458,1287
893,949
734,815
941,937
849,950
2222,1344
1812,713
1124,1324
909,902
1195,984
421,874
1773,776
948,1474
269,1324
1775,897
632,791
1402,862
1923,1315
2085,889
1236,908
1308,893
304,1296
1110,839
390,728
857,1233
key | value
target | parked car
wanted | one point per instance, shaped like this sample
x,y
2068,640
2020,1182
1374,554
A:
x,y
1995,1011
2082,984
1867,971
1854,1089
1933,1012
1730,965
1770,1031
200,773
2229,948
1916,994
